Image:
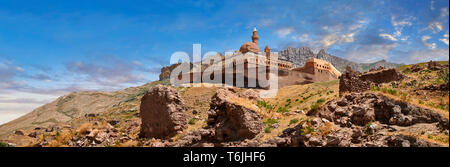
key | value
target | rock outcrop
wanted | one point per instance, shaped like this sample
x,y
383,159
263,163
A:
x,y
162,112
233,121
363,108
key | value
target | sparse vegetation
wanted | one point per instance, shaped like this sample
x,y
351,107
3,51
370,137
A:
x,y
315,106
268,129
192,121
306,130
282,110
270,121
293,121
265,105
4,144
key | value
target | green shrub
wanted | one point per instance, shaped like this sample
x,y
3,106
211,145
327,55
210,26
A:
x,y
306,130
282,110
268,129
320,101
4,144
444,75
270,121
293,121
264,104
192,121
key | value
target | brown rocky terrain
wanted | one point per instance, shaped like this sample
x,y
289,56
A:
x,y
408,111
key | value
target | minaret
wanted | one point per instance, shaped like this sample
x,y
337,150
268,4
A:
x,y
255,37
267,50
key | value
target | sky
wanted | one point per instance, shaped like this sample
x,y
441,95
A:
x,y
49,48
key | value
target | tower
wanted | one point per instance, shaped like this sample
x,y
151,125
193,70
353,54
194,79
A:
x,y
267,50
255,37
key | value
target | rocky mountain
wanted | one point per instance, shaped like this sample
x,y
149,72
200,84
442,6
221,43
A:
x,y
299,56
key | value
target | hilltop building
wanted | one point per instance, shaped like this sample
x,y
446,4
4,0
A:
x,y
315,70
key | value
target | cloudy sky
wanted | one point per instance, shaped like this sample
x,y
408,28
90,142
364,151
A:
x,y
50,48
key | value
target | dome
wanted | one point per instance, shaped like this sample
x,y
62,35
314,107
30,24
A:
x,y
249,47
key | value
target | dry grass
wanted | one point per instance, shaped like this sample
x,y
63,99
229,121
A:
x,y
84,128
327,128
245,103
291,98
61,139
415,102
129,143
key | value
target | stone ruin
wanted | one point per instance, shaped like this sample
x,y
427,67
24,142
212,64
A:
x,y
354,81
162,112
232,121
163,116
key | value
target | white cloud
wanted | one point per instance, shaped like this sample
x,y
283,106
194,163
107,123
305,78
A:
x,y
445,39
282,32
388,36
426,43
444,12
399,25
266,22
20,69
19,103
369,53
435,26
302,38
427,55
401,22
432,5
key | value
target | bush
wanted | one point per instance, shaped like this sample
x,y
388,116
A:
x,y
268,129
270,121
264,104
192,121
282,110
4,145
444,75
293,121
320,101
306,130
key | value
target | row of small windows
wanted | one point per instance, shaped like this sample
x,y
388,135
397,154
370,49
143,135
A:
x,y
321,66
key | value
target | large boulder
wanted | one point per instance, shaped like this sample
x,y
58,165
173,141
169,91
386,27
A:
x,y
162,112
233,117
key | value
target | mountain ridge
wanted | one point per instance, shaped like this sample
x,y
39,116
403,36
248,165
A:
x,y
298,57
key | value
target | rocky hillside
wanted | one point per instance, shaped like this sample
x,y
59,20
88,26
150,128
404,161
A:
x,y
73,106
299,56
406,111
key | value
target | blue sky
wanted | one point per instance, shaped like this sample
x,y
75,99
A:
x,y
50,48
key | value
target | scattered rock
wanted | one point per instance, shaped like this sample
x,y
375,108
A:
x,y
113,122
363,108
32,134
250,94
18,132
